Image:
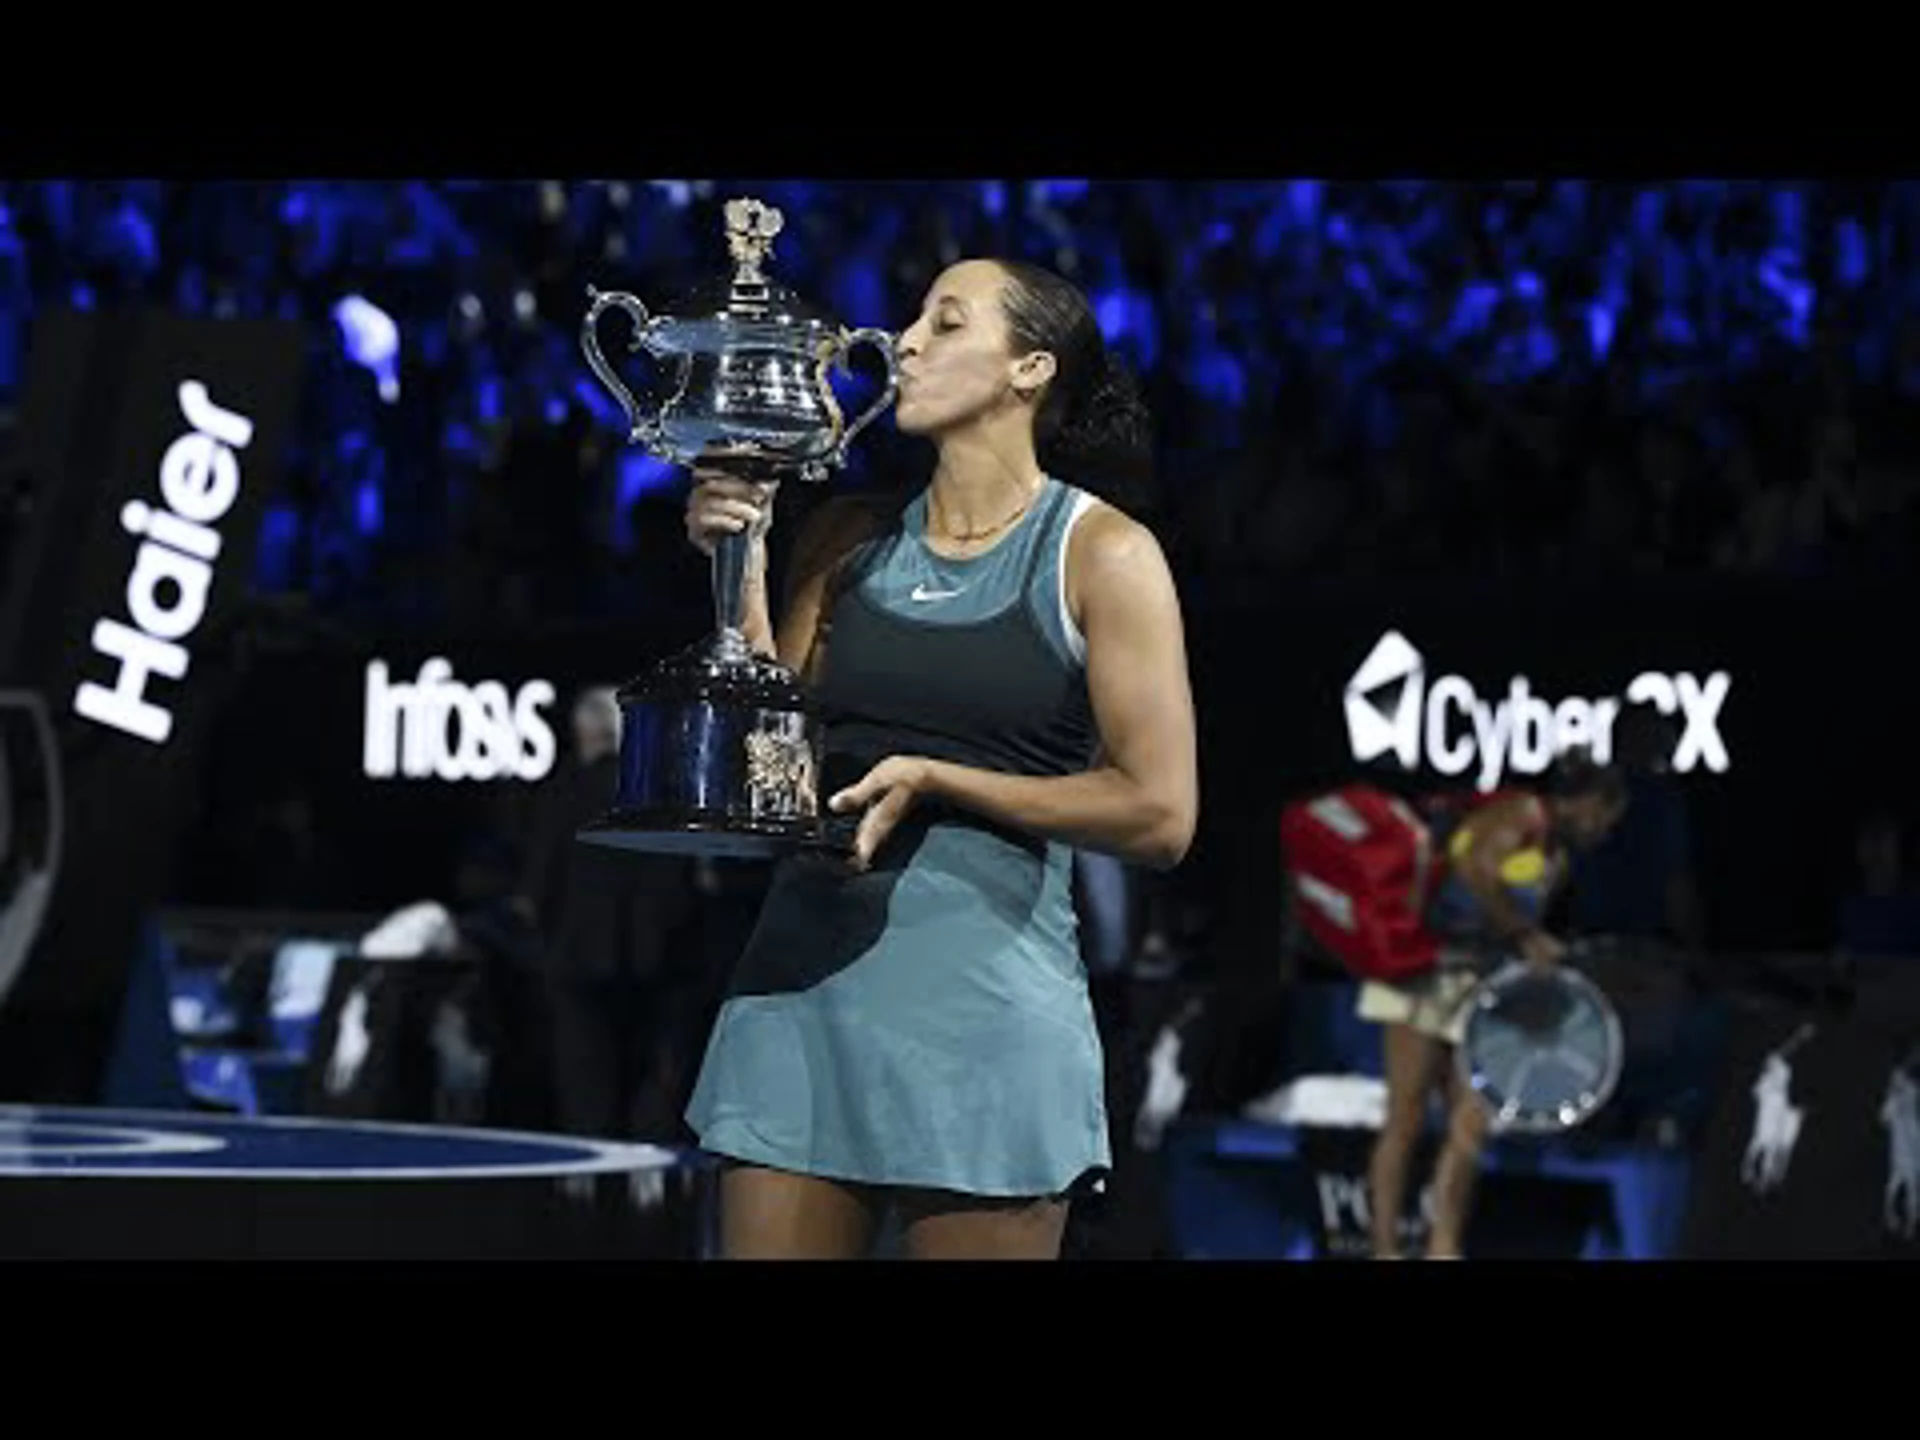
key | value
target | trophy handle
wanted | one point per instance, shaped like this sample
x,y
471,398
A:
x,y
646,426
882,341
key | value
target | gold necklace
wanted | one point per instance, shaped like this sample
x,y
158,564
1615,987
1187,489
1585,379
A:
x,y
968,537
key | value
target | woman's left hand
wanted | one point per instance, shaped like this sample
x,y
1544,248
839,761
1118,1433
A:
x,y
886,793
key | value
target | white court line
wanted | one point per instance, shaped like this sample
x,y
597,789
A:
x,y
592,1157
121,1141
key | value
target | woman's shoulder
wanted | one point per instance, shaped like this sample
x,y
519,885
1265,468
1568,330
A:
x,y
1106,544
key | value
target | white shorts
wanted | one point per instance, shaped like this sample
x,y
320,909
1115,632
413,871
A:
x,y
1434,1005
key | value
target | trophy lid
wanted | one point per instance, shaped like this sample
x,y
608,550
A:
x,y
748,294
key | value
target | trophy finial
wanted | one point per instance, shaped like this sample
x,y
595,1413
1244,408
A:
x,y
751,227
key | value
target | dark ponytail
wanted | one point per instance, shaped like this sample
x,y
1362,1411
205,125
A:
x,y
1093,428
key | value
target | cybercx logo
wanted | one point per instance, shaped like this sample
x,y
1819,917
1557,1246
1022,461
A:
x,y
1392,708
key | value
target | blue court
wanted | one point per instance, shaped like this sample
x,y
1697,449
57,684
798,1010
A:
x,y
156,1144
137,1184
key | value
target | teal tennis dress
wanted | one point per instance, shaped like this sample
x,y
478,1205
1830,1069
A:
x,y
927,1023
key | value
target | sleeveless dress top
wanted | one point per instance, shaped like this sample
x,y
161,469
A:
x,y
927,1023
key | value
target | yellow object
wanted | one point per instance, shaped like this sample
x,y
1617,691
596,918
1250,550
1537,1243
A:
x,y
1521,869
1524,868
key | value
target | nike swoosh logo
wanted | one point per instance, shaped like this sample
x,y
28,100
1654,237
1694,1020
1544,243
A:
x,y
920,592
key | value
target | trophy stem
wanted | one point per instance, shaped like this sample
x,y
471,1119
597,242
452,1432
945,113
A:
x,y
730,556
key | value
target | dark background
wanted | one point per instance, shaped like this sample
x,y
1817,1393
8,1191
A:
x,y
1815,725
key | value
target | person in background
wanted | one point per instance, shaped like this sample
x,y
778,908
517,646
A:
x,y
1881,915
619,965
1640,880
1497,861
1449,882
1637,891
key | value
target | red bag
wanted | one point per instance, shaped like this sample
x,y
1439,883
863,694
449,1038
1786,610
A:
x,y
1359,869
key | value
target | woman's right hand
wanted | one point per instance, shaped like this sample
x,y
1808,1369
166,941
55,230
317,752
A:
x,y
1541,950
722,504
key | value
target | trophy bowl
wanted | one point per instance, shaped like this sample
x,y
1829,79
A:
x,y
720,747
1543,1048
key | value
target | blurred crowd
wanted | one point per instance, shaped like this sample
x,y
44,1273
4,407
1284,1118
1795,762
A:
x,y
1350,378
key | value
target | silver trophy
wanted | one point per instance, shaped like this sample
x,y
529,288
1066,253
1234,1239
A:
x,y
720,747
1543,1048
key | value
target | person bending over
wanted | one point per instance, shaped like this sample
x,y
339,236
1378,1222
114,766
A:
x,y
1447,883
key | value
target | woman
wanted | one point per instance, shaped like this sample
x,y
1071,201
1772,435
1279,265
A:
x,y
1002,670
1500,858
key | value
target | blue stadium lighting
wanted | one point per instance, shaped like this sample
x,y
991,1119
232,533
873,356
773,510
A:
x,y
1216,374
860,291
1600,327
136,235
592,396
642,474
372,341
638,475
368,512
1851,258
1474,309
279,535
1255,286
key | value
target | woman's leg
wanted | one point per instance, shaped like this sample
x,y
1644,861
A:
x,y
768,1214
1457,1170
1412,1065
942,1226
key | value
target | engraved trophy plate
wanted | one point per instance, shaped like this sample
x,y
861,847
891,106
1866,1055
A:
x,y
1543,1049
720,748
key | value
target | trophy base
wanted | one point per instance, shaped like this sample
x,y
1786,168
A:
x,y
659,833
720,755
